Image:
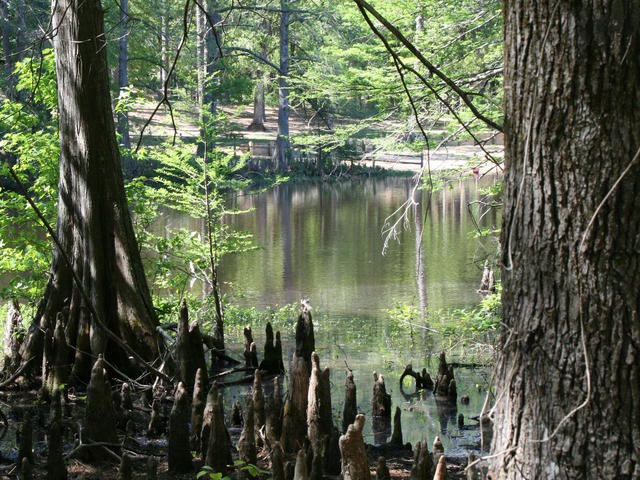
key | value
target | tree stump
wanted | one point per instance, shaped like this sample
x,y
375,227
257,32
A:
x,y
271,421
125,472
381,410
218,453
381,400
55,358
197,409
99,417
277,407
441,470
350,408
423,380
278,353
353,453
305,339
272,360
130,428
152,469
471,467
277,462
116,401
438,450
207,417
247,442
452,391
179,450
445,376
427,382
189,349
422,468
301,472
56,468
11,344
236,415
382,472
258,407
294,421
125,395
155,422
250,352
320,429
55,408
26,470
396,437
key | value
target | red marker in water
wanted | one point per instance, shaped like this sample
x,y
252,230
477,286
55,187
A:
x,y
476,172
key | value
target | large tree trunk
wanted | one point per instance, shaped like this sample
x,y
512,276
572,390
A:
x,y
164,42
212,56
281,152
259,110
93,225
201,72
259,115
123,80
572,127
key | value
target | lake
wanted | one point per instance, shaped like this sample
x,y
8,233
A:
x,y
324,242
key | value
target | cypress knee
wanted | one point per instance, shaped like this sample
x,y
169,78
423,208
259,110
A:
x,y
353,453
178,445
350,409
277,462
258,407
218,454
197,408
99,418
247,443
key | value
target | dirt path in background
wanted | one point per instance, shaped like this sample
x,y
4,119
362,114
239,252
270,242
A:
x,y
445,158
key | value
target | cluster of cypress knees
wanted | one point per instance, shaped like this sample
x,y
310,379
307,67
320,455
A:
x,y
298,437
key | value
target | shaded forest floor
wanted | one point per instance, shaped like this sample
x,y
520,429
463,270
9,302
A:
x,y
133,437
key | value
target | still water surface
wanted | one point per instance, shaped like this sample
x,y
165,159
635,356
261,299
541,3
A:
x,y
324,242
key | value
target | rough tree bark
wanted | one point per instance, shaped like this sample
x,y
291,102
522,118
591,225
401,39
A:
x,y
200,71
281,151
164,42
569,366
212,57
123,81
259,114
93,223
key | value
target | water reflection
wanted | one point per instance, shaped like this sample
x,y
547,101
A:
x,y
420,275
324,242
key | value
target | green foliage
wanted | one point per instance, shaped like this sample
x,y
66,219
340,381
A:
x,y
207,472
126,100
29,139
253,471
402,317
236,317
454,327
465,323
37,79
178,257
